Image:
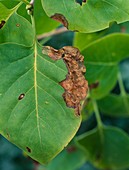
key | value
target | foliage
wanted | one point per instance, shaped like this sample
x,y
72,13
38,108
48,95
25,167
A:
x,y
33,113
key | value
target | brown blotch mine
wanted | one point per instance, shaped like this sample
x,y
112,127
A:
x,y
60,18
2,23
28,149
75,84
21,96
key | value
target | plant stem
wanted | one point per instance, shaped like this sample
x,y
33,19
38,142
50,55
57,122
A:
x,y
51,33
99,121
97,114
123,92
33,26
120,81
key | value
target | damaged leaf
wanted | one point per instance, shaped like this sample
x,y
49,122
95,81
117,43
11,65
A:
x,y
60,18
33,114
75,85
88,16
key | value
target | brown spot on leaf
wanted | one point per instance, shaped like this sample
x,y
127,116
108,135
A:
x,y
2,23
123,29
94,85
71,149
28,149
18,25
75,85
21,96
60,18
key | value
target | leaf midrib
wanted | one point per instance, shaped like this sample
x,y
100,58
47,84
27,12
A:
x,y
36,88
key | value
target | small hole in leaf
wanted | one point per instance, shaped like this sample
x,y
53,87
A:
x,y
28,149
80,1
21,96
2,24
63,55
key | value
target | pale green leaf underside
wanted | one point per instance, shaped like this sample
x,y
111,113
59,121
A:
x,y
109,152
40,121
94,15
102,58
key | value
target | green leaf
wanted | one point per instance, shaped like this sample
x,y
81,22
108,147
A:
x,y
70,158
93,15
40,123
33,114
123,28
9,3
42,21
114,105
109,152
101,59
82,40
5,13
17,30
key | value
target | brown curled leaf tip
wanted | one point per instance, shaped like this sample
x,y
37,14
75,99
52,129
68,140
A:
x,y
60,18
21,96
75,85
2,23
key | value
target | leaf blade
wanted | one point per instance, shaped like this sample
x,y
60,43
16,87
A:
x,y
36,122
101,13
